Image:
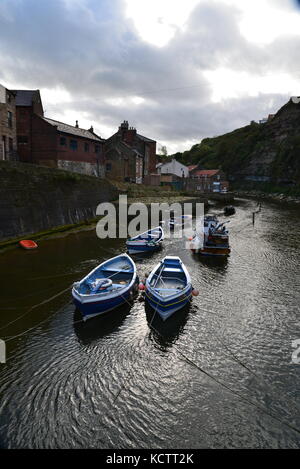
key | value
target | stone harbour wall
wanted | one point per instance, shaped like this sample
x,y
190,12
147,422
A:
x,y
36,198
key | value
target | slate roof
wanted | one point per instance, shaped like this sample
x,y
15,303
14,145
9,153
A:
x,y
70,129
146,139
24,97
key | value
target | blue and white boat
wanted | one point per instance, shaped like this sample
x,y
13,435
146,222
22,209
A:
x,y
168,288
148,241
111,284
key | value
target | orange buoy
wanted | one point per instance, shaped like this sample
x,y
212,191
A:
x,y
28,244
195,292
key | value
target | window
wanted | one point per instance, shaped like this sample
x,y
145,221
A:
x,y
108,166
10,144
9,119
22,139
73,145
97,148
63,141
86,147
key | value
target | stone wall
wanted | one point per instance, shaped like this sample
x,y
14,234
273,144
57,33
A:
x,y
78,167
8,133
35,198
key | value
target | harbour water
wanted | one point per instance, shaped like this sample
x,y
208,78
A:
x,y
218,375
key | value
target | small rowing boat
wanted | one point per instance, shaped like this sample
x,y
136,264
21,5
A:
x,y
148,241
28,244
111,284
168,287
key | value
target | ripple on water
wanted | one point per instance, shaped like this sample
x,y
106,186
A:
x,y
217,375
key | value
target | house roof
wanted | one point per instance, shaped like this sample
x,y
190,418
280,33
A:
x,y
206,172
146,139
191,167
25,97
70,129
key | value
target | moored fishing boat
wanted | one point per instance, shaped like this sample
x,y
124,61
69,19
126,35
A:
x,y
213,241
148,241
168,287
109,285
229,210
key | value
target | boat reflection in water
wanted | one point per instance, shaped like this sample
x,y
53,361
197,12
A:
x,y
100,326
217,263
166,333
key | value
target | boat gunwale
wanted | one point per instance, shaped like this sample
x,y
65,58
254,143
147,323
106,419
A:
x,y
97,297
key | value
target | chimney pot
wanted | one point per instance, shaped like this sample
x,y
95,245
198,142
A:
x,y
76,125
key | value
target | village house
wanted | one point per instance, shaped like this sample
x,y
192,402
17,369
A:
x,y
173,167
129,156
52,143
172,174
8,131
207,180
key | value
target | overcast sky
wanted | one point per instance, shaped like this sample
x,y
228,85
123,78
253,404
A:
x,y
177,70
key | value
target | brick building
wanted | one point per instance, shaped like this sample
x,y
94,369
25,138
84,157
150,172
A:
x,y
129,156
8,131
28,104
52,143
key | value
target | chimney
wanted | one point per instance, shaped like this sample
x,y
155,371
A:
x,y
123,126
76,125
91,129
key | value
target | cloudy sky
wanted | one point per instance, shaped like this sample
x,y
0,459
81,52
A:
x,y
177,70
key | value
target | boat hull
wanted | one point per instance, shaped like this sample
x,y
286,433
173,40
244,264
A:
x,y
212,251
146,242
90,309
28,244
93,297
135,249
166,307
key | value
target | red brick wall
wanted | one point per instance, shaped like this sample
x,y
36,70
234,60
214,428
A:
x,y
44,142
129,136
23,115
90,156
152,157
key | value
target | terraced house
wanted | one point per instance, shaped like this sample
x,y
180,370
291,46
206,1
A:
x,y
8,133
129,156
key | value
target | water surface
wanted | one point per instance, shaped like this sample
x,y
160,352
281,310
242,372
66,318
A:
x,y
216,375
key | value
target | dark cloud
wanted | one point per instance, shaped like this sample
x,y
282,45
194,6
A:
x,y
89,48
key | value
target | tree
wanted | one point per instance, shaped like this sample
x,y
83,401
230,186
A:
x,y
163,151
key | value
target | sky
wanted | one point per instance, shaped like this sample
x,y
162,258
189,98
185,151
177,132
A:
x,y
177,70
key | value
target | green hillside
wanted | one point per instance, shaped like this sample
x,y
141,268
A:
x,y
269,151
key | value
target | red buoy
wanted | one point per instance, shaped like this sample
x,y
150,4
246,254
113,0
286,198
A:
x,y
195,292
141,286
28,244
